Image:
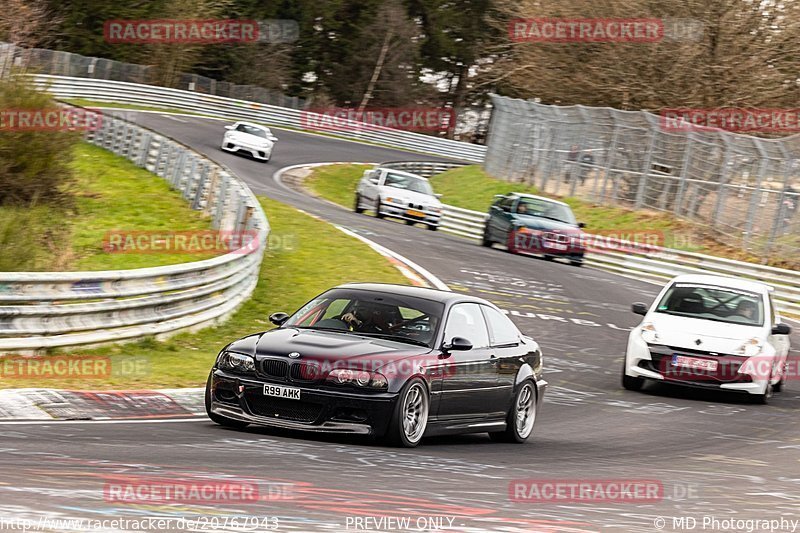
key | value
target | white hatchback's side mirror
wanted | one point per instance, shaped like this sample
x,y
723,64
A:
x,y
229,127
273,138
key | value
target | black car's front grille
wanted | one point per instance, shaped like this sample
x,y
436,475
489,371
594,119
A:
x,y
274,368
307,372
282,408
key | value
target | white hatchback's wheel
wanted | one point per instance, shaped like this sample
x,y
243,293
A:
x,y
410,417
521,417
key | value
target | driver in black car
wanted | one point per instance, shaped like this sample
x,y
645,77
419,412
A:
x,y
368,317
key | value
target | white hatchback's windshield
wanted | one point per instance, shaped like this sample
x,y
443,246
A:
x,y
713,303
409,183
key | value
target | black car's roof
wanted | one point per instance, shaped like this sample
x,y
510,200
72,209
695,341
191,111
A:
x,y
446,297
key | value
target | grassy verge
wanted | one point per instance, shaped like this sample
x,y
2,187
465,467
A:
x,y
111,194
312,256
471,188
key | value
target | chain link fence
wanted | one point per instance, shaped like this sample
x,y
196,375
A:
x,y
58,63
745,189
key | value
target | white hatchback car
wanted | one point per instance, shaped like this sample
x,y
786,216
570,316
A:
x,y
398,194
252,139
710,332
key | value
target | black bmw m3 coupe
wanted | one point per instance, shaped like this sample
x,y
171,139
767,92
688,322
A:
x,y
392,361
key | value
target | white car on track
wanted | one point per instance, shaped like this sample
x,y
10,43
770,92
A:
x,y
710,332
252,139
398,194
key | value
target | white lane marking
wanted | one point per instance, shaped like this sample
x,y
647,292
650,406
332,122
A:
x,y
176,119
197,418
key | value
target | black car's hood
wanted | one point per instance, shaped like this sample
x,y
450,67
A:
x,y
546,224
323,346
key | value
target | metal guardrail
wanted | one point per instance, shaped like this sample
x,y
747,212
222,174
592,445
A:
x,y
40,310
191,102
651,263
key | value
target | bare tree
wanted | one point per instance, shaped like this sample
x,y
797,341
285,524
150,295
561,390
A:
x,y
747,55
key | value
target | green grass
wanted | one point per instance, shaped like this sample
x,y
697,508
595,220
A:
x,y
311,256
115,194
336,182
111,194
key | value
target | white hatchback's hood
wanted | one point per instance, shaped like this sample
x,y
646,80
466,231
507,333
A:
x,y
416,198
682,332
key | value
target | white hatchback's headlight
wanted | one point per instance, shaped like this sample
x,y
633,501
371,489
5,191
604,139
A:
x,y
649,333
750,348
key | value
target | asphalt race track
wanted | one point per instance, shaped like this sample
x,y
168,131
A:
x,y
715,456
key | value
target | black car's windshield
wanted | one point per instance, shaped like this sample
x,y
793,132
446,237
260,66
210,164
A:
x,y
379,314
409,183
539,207
713,303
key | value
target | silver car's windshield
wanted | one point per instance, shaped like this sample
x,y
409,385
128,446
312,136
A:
x,y
713,303
409,183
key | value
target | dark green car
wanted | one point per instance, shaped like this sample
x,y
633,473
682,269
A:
x,y
530,224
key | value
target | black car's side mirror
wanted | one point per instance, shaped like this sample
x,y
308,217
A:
x,y
639,308
781,329
581,224
278,318
457,344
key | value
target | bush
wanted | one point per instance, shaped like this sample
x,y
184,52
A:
x,y
34,165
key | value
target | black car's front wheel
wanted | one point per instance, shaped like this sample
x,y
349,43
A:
x,y
219,419
521,416
410,416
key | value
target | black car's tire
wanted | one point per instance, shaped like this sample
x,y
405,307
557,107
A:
x,y
433,227
576,263
356,207
486,241
631,382
378,204
411,409
410,222
218,419
548,257
521,417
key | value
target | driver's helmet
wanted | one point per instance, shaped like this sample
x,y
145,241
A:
x,y
746,308
366,310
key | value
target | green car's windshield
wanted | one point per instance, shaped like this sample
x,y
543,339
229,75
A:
x,y
540,207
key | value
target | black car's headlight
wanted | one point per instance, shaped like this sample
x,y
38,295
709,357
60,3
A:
x,y
359,378
236,362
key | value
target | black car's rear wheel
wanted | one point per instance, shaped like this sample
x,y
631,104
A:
x,y
410,416
521,416
219,419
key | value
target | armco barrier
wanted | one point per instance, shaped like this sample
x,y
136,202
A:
x,y
40,310
651,263
187,101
